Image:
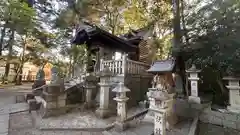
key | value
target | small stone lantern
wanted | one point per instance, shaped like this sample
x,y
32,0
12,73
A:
x,y
193,71
234,94
105,84
121,99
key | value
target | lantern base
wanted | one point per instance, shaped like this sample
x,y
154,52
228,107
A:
x,y
103,113
193,99
121,126
89,105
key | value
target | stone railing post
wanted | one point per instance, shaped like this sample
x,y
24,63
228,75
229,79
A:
x,y
124,64
234,94
103,110
101,65
194,98
160,111
121,99
89,86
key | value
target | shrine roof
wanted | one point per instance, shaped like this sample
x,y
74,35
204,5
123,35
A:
x,y
88,34
162,66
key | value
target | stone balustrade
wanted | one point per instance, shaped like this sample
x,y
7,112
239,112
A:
x,y
124,66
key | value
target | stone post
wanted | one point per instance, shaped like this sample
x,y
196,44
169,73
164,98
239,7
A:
x,y
124,64
234,94
121,99
89,87
194,97
160,110
103,110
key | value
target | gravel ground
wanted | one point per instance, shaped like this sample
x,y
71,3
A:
x,y
209,129
22,124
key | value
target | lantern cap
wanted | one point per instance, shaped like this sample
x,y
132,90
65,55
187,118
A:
x,y
120,88
159,95
193,69
232,78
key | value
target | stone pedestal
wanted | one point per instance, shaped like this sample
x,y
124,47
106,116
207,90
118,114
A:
x,y
194,97
89,86
121,105
234,94
53,101
103,110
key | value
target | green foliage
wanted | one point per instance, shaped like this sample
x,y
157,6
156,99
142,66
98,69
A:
x,y
213,43
215,29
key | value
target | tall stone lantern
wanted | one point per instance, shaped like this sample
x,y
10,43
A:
x,y
234,94
193,77
121,99
105,84
89,85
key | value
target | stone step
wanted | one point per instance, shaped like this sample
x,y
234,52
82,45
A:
x,y
4,124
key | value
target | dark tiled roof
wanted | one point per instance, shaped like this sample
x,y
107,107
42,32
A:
x,y
162,66
92,33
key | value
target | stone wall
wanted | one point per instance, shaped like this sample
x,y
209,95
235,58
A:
x,y
229,120
206,115
138,84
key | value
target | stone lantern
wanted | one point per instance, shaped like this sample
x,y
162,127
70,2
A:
x,y
121,99
234,94
105,84
194,97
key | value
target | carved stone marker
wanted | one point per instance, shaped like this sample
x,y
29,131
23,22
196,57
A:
x,y
103,110
121,99
160,110
194,98
234,94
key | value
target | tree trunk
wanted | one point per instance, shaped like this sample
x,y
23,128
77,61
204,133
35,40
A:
x,y
7,67
19,77
184,23
3,33
177,40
